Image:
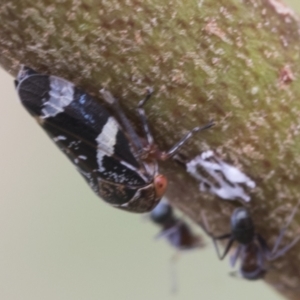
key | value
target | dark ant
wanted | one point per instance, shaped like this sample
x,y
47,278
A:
x,y
252,249
176,231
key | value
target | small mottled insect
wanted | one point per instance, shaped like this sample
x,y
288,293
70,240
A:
x,y
118,165
175,230
252,249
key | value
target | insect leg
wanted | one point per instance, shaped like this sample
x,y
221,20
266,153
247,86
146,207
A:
x,y
168,232
142,115
173,273
275,253
263,245
228,246
236,255
283,250
179,144
205,227
235,274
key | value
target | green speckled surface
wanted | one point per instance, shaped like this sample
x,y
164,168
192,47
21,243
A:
x,y
58,241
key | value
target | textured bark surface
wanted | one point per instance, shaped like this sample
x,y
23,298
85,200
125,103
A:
x,y
236,62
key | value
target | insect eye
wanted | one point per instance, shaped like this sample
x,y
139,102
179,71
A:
x,y
160,185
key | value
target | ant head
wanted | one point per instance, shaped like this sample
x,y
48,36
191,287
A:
x,y
161,213
242,227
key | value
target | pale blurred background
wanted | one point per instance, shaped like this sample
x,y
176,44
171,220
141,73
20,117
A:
x,y
59,241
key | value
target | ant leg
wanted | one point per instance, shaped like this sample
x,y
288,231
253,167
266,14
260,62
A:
x,y
173,273
168,232
235,274
235,255
142,115
263,245
114,103
179,144
205,227
275,253
283,250
228,246
261,270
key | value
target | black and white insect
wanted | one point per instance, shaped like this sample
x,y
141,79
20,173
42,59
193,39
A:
x,y
175,230
252,248
118,165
